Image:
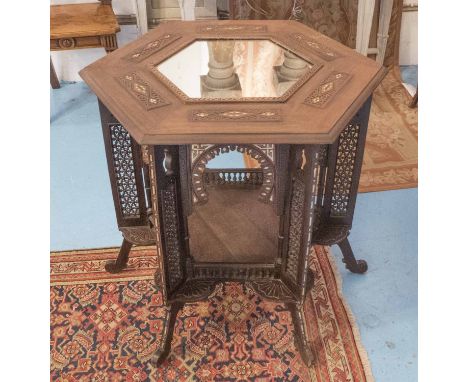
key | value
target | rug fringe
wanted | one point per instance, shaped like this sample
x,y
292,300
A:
x,y
354,326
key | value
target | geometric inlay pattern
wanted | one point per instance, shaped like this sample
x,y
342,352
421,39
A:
x,y
152,47
232,28
142,91
327,89
124,169
237,115
345,160
319,49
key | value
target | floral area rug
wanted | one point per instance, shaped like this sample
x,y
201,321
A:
x,y
391,153
105,327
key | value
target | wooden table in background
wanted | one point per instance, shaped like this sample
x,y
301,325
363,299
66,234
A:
x,y
78,26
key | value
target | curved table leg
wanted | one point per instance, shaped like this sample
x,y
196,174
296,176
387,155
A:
x,y
122,259
161,354
300,333
355,266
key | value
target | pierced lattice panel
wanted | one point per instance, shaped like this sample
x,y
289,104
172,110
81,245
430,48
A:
x,y
345,162
124,168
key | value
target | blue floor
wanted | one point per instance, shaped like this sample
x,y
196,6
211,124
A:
x,y
384,300
409,74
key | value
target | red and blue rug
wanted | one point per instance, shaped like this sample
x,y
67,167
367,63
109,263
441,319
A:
x,y
104,328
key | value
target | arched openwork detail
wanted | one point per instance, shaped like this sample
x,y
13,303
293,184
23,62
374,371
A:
x,y
199,166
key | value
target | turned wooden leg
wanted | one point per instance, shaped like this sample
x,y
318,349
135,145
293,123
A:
x,y
54,82
122,259
161,354
355,266
301,337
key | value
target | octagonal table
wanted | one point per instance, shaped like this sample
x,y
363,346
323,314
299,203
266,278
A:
x,y
293,101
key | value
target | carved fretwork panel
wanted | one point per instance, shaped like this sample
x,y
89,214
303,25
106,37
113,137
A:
x,y
343,171
344,166
267,148
200,159
124,168
171,216
345,159
125,171
240,272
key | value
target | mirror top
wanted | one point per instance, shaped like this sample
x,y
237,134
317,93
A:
x,y
234,69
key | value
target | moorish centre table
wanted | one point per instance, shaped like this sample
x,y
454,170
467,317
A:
x,y
292,101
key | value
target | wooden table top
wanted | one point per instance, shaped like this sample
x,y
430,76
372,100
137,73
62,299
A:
x,y
76,20
154,111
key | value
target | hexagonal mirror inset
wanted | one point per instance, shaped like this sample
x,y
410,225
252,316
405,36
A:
x,y
234,70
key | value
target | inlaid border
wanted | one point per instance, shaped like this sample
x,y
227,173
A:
x,y
152,47
317,48
327,89
232,29
235,115
142,91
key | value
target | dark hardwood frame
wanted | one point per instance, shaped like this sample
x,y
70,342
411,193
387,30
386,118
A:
x,y
305,200
149,131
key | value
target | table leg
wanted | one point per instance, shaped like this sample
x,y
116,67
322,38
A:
x,y
161,354
300,333
54,82
109,42
355,266
122,259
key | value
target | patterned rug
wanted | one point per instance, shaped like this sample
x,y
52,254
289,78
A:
x,y
391,154
105,327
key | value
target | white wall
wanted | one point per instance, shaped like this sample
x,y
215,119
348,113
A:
x,y
409,36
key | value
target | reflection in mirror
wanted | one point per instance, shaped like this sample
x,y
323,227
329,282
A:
x,y
232,69
233,225
231,159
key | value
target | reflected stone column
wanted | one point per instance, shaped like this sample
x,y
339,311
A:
x,y
221,81
290,71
